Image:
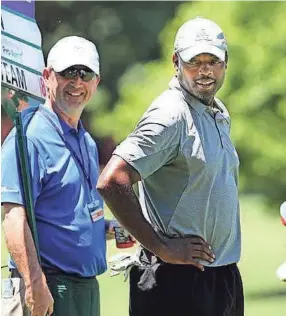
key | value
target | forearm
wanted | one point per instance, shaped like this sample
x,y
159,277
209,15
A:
x,y
20,243
125,206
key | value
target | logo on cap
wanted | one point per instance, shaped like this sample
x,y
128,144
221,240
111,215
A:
x,y
220,36
202,35
78,48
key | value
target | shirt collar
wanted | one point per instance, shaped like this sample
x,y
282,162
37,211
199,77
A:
x,y
68,129
61,124
198,106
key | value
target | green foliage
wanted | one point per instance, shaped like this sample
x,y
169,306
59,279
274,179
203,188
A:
x,y
254,90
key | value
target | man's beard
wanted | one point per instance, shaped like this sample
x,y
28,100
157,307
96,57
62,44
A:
x,y
189,85
205,98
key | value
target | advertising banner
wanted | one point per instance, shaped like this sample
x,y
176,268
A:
x,y
22,60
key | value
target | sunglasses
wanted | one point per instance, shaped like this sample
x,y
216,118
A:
x,y
72,73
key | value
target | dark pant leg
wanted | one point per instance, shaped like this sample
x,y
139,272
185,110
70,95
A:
x,y
185,290
144,302
239,294
229,292
86,297
171,296
74,296
61,290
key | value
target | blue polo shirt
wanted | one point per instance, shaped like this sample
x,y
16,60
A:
x,y
69,238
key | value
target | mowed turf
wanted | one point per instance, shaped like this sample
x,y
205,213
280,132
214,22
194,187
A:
x,y
264,249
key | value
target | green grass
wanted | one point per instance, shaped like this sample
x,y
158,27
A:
x,y
264,249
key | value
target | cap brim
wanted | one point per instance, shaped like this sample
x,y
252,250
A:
x,y
190,52
60,65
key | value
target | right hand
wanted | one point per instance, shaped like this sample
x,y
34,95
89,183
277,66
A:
x,y
38,298
186,251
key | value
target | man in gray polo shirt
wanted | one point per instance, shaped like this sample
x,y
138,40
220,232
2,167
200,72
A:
x,y
187,213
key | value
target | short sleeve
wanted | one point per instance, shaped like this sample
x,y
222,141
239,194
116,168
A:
x,y
11,184
154,142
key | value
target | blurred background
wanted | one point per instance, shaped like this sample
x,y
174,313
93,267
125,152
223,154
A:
x,y
135,43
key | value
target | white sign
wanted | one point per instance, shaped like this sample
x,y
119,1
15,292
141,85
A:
x,y
22,53
22,79
20,27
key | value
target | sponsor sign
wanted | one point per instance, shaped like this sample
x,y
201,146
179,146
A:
x,y
22,79
25,7
20,27
22,53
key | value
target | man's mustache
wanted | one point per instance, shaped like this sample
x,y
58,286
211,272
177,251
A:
x,y
205,78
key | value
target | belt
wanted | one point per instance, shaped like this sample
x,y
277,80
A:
x,y
52,271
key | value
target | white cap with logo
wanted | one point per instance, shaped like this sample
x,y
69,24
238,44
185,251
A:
x,y
198,36
73,50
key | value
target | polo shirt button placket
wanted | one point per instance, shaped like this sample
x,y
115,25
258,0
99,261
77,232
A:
x,y
216,119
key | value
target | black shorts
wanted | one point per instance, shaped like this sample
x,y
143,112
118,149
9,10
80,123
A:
x,y
162,289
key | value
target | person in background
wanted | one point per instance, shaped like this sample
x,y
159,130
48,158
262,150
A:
x,y
187,214
281,271
69,213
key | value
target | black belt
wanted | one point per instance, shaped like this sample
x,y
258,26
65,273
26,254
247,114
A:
x,y
52,271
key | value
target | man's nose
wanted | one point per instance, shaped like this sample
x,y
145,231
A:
x,y
77,81
205,69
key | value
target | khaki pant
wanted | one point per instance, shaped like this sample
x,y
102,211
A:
x,y
14,305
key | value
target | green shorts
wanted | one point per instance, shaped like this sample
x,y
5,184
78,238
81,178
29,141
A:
x,y
74,296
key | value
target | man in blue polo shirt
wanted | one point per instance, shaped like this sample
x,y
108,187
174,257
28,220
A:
x,y
68,209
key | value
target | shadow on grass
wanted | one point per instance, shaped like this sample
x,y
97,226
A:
x,y
267,294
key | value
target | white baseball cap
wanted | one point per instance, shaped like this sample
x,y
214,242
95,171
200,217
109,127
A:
x,y
198,36
73,50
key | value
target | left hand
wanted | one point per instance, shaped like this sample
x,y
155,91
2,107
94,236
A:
x,y
109,228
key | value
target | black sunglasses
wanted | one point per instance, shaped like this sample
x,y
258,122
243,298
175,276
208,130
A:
x,y
73,73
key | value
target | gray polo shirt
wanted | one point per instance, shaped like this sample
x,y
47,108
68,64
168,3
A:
x,y
189,169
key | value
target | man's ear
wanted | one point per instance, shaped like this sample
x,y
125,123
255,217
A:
x,y
46,74
226,59
175,61
96,83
